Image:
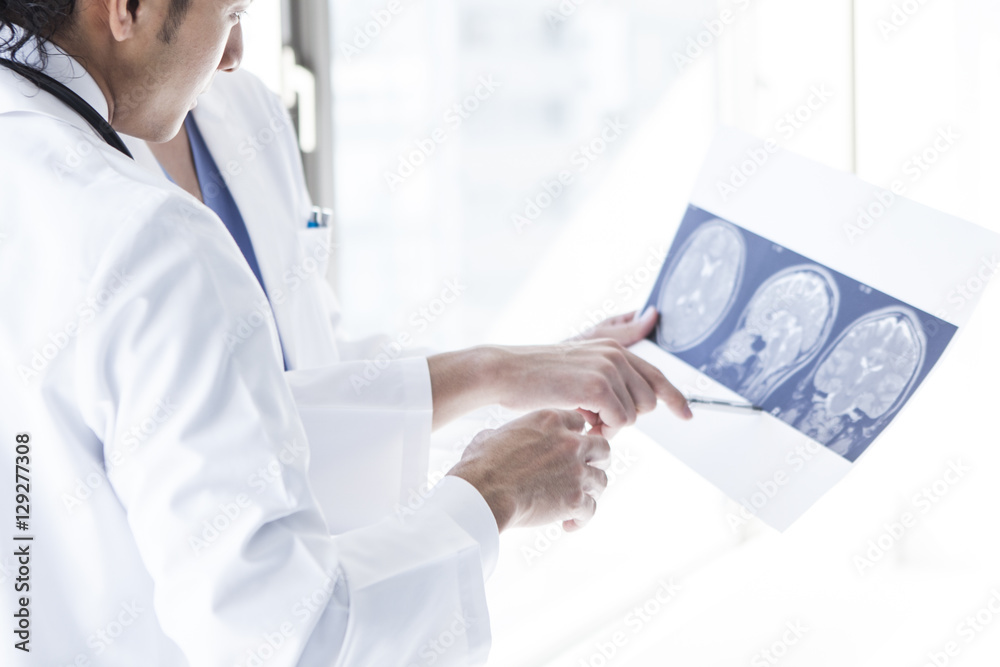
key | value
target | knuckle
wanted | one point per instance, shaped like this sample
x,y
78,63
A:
x,y
596,386
617,354
604,448
572,446
610,364
548,416
481,440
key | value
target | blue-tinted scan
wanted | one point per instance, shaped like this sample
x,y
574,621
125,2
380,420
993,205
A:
x,y
831,356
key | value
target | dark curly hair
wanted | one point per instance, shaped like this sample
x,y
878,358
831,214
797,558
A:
x,y
41,19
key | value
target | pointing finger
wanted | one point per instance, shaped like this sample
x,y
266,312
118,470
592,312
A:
x,y
597,451
665,391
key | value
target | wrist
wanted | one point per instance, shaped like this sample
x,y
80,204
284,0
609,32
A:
x,y
464,381
499,503
491,371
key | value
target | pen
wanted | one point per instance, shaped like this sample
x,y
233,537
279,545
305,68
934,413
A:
x,y
320,217
725,405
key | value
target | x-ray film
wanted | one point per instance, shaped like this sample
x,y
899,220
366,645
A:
x,y
833,357
819,298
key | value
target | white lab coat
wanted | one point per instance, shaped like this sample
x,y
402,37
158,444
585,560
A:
x,y
173,519
370,436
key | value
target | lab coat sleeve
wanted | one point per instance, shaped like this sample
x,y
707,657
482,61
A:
x,y
373,419
216,494
374,411
454,511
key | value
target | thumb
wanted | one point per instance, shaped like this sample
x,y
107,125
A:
x,y
642,324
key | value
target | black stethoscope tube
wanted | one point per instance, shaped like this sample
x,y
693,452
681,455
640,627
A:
x,y
72,100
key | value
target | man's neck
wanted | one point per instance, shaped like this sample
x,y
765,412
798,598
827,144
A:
x,y
90,63
177,159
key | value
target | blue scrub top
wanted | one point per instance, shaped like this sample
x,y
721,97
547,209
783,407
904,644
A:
x,y
216,195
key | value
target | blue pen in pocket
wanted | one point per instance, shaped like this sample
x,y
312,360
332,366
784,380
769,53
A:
x,y
320,217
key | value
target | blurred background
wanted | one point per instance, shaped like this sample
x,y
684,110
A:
x,y
536,154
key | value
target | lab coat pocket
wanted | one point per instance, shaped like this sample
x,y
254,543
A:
x,y
315,244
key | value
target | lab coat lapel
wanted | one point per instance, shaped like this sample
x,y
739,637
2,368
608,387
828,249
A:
x,y
266,197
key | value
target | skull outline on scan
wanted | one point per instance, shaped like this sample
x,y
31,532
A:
x,y
701,285
860,382
782,329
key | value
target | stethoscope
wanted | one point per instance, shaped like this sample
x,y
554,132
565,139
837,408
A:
x,y
72,100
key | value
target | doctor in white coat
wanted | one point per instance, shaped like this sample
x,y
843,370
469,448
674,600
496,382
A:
x,y
380,423
156,491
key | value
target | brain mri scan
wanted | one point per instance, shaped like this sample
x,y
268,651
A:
x,y
860,382
700,286
782,328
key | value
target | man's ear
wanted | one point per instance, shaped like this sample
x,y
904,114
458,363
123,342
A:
x,y
122,18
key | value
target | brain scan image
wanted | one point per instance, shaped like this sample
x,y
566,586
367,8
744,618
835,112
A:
x,y
782,328
701,285
812,348
861,382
